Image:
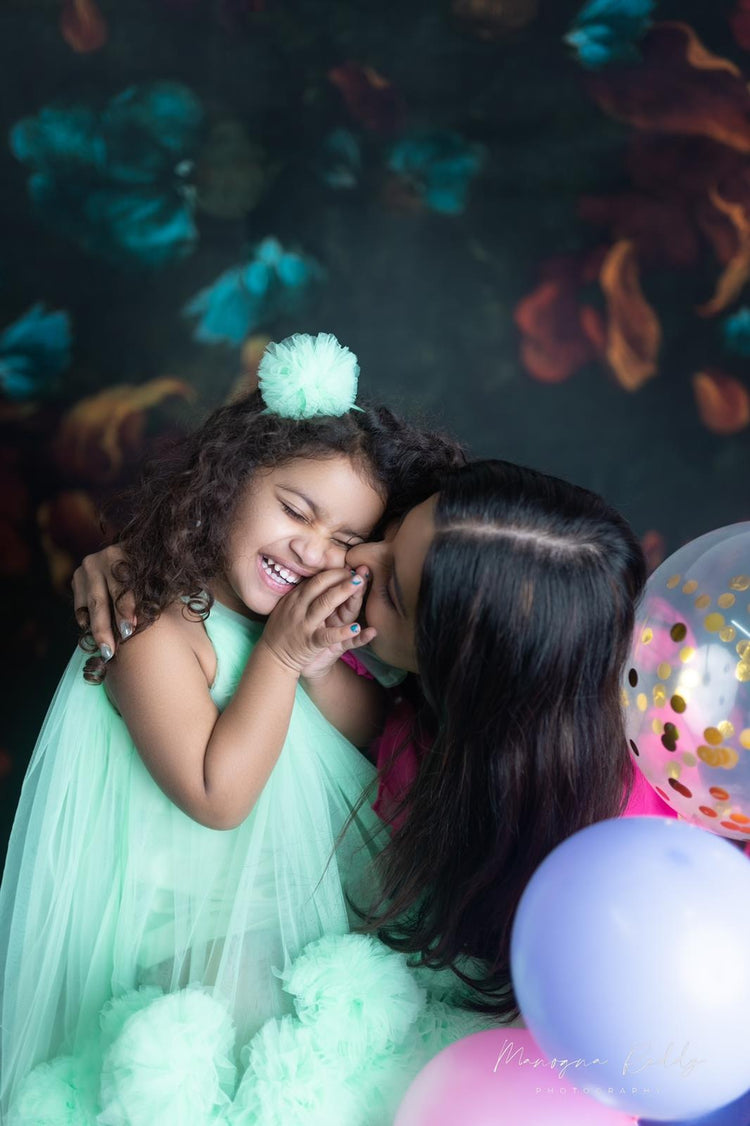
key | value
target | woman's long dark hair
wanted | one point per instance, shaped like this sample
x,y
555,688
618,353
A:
x,y
525,613
180,515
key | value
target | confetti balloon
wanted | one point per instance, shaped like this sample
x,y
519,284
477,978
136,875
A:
x,y
687,683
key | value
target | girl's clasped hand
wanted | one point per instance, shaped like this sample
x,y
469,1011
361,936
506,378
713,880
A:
x,y
314,624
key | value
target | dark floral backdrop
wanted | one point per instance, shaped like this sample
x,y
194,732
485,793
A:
x,y
529,218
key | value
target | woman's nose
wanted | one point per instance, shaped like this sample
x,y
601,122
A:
x,y
370,555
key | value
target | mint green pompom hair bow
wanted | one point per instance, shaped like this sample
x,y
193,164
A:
x,y
305,376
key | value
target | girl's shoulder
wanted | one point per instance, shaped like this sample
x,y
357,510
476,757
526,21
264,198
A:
x,y
176,630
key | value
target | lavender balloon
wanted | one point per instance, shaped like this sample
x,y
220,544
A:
x,y
736,1114
630,948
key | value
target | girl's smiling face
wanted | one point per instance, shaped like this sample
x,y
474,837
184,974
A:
x,y
290,523
396,567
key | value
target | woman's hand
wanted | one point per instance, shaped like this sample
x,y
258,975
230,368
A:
x,y
100,603
314,624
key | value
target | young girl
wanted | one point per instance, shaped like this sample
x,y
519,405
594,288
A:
x,y
178,825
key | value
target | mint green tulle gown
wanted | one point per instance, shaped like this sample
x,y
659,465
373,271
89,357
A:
x,y
110,888
159,973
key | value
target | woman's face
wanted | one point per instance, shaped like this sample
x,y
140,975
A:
x,y
396,567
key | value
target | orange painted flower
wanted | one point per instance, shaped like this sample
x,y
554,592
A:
x,y
70,528
83,26
633,329
369,97
737,270
250,357
103,436
723,402
661,230
739,22
557,337
678,87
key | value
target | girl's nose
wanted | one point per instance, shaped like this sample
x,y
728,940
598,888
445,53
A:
x,y
317,552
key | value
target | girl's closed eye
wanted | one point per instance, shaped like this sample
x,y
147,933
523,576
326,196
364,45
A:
x,y
293,513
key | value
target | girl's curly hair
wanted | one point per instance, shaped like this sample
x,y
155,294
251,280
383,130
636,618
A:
x,y
180,515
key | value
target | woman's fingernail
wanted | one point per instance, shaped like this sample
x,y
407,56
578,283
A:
x,y
357,581
354,628
126,630
106,652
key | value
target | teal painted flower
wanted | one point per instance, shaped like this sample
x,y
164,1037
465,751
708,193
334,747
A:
x,y
440,166
246,297
114,181
607,31
736,331
34,350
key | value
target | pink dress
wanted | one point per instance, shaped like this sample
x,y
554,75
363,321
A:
x,y
396,774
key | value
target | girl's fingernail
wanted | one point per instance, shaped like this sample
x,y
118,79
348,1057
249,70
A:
x,y
357,581
106,652
126,630
354,628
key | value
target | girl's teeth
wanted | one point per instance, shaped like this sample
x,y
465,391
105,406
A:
x,y
277,571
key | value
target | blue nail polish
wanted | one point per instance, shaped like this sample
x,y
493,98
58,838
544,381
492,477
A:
x,y
357,582
126,630
354,628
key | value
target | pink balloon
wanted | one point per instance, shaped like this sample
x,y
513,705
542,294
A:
x,y
502,1078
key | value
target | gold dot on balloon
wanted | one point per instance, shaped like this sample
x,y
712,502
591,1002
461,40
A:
x,y
672,582
719,793
688,759
632,678
624,699
725,601
641,701
656,726
660,695
726,728
634,748
713,622
728,633
678,631
740,582
742,672
729,825
740,818
723,758
678,704
690,587
703,601
673,771
745,738
743,649
707,811
647,636
687,654
680,788
664,671
713,736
